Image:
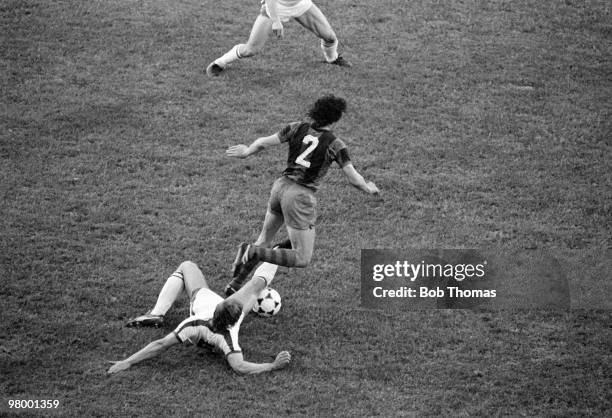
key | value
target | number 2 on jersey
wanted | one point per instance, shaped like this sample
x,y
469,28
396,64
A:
x,y
301,159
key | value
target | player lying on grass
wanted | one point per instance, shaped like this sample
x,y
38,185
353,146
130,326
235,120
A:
x,y
214,322
272,15
313,147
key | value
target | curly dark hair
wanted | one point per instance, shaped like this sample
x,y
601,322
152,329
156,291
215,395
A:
x,y
226,314
327,110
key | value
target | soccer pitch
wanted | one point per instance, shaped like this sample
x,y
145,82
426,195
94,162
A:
x,y
486,124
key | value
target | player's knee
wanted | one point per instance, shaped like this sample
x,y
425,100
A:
x,y
263,242
248,50
328,38
188,265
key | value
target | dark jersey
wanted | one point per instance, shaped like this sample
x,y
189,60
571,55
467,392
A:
x,y
311,152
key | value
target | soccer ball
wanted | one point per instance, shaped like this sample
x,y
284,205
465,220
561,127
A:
x,y
268,302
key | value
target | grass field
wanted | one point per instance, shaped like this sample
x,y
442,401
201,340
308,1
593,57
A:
x,y
487,124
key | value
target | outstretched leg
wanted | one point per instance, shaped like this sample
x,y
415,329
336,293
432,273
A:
x,y
298,205
262,28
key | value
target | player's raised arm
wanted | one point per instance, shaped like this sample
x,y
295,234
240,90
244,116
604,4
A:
x,y
239,365
358,181
151,350
243,151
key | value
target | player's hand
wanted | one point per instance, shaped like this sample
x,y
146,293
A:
x,y
237,151
277,29
373,188
118,366
282,360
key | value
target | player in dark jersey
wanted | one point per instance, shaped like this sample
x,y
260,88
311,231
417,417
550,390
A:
x,y
313,147
213,321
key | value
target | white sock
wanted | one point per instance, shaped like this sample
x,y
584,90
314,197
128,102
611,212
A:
x,y
170,292
229,57
266,271
330,51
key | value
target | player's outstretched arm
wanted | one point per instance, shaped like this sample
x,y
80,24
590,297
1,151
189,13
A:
x,y
151,350
243,151
239,365
358,181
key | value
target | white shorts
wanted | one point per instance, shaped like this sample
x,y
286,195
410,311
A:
x,y
203,303
288,9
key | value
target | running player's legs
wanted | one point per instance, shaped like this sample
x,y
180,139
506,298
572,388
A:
x,y
272,222
315,21
298,205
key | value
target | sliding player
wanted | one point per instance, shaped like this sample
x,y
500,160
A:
x,y
313,147
214,322
271,17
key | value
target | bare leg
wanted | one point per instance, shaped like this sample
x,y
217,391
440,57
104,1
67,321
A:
x,y
262,28
193,277
187,277
302,242
257,39
271,225
315,21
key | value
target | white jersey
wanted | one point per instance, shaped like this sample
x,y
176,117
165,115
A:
x,y
203,303
198,330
